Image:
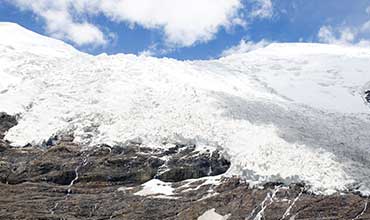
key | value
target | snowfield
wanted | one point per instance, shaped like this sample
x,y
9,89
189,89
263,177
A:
x,y
287,112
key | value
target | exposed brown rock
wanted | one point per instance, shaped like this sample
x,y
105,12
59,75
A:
x,y
60,180
97,200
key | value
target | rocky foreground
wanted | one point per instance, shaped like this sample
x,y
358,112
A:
x,y
62,180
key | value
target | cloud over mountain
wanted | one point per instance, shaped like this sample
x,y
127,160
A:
x,y
183,23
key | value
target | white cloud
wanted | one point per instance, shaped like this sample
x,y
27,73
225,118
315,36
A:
x,y
262,8
146,53
183,22
326,35
364,43
346,35
330,35
60,23
245,46
154,50
366,27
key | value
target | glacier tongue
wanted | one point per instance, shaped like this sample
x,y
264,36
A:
x,y
288,112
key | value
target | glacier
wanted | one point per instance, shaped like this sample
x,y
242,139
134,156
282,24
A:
x,y
289,112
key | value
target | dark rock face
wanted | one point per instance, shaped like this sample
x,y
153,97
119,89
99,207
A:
x,y
132,164
6,122
188,164
233,198
367,96
62,181
60,161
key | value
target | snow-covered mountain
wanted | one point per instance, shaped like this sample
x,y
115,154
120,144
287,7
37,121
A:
x,y
287,112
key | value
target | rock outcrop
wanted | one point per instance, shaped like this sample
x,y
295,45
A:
x,y
63,180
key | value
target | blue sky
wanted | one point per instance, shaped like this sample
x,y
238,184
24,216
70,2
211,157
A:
x,y
135,30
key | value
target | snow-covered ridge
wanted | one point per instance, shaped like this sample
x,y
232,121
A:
x,y
288,112
14,36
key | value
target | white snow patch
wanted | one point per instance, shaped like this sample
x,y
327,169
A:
x,y
156,187
124,189
209,180
213,215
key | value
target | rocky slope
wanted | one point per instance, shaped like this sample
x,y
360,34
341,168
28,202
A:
x,y
62,180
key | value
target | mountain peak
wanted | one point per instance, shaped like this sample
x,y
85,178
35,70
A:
x,y
15,36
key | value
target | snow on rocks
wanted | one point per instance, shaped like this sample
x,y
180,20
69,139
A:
x,y
288,112
212,215
158,188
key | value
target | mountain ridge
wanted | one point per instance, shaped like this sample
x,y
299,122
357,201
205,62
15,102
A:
x,y
306,107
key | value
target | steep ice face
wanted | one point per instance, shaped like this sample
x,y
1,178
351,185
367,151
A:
x,y
288,112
